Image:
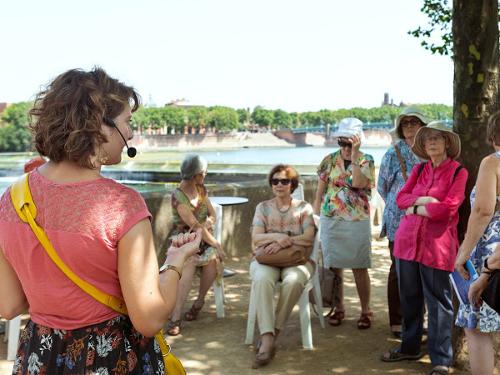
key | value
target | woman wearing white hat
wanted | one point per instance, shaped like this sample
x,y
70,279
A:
x,y
426,245
396,165
345,180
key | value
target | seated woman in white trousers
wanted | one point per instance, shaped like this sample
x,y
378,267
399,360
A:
x,y
279,223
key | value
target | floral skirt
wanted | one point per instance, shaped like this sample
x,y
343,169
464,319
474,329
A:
x,y
112,347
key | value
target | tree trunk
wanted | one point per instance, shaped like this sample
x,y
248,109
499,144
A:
x,y
476,76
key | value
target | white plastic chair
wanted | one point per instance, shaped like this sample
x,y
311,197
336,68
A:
x,y
299,192
12,331
304,308
218,286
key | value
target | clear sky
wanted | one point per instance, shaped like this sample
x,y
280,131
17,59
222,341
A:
x,y
297,55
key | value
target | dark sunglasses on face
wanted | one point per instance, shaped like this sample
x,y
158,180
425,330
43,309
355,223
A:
x,y
410,122
283,181
344,144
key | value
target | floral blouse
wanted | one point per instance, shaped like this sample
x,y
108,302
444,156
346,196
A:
x,y
390,182
341,199
293,221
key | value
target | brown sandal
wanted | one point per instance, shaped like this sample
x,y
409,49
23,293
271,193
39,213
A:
x,y
173,327
337,317
365,320
193,312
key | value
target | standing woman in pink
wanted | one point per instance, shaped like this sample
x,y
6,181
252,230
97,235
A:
x,y
426,245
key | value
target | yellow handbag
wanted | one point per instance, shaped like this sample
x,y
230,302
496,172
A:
x,y
25,207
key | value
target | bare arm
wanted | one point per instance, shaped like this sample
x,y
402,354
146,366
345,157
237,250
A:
x,y
188,217
306,238
359,180
12,299
150,297
260,237
484,206
494,259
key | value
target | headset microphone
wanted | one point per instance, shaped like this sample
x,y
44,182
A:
x,y
131,151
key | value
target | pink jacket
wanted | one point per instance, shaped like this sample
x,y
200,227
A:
x,y
431,240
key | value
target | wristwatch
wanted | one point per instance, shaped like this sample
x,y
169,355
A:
x,y
167,267
415,208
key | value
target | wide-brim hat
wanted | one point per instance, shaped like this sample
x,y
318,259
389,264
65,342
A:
x,y
453,140
348,127
408,112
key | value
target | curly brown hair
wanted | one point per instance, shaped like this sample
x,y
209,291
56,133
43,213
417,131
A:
x,y
67,115
290,171
493,129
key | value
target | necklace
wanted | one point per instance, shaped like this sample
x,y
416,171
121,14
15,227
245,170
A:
x,y
285,210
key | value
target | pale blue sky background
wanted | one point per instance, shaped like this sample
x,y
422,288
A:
x,y
289,54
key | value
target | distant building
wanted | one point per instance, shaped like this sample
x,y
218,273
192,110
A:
x,y
3,106
183,103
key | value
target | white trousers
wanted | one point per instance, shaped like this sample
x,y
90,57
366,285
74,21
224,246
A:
x,y
264,279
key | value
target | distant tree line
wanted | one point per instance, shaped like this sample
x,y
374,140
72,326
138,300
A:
x,y
15,136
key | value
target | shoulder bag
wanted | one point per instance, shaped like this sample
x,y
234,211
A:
x,y
25,207
294,255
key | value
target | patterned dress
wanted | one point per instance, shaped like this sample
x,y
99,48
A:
x,y
485,318
200,212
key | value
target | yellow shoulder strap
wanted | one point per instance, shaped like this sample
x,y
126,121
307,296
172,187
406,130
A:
x,y
25,207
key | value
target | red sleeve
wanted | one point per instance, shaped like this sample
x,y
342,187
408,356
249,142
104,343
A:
x,y
456,195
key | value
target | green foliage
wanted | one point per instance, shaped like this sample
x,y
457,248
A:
x,y
223,118
14,132
437,36
282,119
263,117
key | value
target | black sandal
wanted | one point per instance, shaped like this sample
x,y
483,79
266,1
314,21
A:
x,y
193,312
173,327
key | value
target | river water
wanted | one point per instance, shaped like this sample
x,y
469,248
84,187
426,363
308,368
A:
x,y
242,160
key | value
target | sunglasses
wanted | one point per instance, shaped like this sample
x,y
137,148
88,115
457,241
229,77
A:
x,y
345,144
283,181
410,122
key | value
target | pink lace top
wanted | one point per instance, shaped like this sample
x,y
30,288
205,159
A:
x,y
84,221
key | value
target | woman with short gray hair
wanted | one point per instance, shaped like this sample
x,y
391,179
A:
x,y
192,209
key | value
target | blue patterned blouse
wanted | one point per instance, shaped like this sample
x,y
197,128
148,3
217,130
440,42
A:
x,y
390,182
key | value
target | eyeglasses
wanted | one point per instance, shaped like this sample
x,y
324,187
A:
x,y
410,122
283,181
344,144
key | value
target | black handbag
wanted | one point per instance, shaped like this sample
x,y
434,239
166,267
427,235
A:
x,y
491,295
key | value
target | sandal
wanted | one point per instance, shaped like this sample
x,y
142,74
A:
x,y
365,320
439,370
193,312
173,327
337,317
263,359
395,355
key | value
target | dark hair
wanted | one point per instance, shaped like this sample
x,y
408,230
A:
x,y
399,128
493,129
290,171
67,115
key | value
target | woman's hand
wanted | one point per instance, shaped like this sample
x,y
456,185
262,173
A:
x,y
183,246
462,258
409,210
272,248
285,241
426,199
209,223
221,253
356,144
476,289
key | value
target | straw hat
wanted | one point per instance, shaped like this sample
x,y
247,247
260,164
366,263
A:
x,y
408,112
348,127
453,140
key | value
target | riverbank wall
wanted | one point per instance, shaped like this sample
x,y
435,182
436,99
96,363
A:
x,y
279,138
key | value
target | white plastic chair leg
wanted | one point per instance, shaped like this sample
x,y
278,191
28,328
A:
x,y
305,320
219,298
252,314
13,329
